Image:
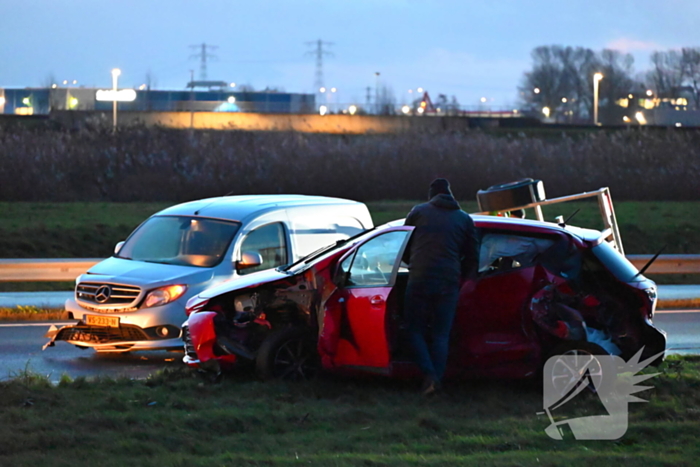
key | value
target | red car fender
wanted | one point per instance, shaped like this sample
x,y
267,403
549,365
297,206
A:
x,y
202,334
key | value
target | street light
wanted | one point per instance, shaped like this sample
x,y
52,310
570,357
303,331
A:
x,y
115,75
596,79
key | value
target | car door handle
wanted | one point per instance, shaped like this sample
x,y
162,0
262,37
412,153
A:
x,y
376,300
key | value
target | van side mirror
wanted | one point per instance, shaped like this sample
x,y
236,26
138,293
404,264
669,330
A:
x,y
118,247
249,259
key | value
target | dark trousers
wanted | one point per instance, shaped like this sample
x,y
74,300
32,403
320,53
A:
x,y
429,310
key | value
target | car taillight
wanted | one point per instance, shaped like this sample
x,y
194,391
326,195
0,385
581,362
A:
x,y
195,304
649,300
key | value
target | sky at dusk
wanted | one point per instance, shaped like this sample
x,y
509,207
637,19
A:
x,y
464,48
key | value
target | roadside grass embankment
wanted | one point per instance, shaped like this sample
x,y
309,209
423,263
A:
x,y
176,418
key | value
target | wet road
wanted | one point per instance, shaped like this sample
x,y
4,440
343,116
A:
x,y
20,349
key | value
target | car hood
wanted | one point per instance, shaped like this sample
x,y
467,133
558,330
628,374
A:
x,y
243,282
140,273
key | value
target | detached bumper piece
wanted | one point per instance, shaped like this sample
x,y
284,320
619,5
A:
x,y
96,335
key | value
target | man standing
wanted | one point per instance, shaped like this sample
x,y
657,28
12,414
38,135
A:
x,y
442,249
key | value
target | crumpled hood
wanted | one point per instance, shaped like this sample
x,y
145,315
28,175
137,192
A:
x,y
242,282
140,273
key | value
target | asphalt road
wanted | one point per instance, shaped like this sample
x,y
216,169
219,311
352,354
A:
x,y
20,350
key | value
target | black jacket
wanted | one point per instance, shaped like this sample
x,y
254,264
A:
x,y
443,245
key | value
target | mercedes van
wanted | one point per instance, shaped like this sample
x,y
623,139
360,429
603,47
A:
x,y
136,299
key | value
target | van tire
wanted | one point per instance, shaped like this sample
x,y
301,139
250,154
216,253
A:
x,y
289,354
505,196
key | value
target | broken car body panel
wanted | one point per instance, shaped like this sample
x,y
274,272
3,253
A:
x,y
351,298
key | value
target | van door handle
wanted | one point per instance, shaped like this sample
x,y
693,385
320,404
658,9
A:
x,y
376,300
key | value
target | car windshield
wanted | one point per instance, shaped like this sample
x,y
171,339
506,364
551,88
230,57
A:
x,y
180,240
618,265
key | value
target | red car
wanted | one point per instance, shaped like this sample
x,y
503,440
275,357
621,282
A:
x,y
542,289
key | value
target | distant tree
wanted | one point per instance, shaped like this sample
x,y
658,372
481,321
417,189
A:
x,y
386,100
49,81
545,84
245,88
667,74
690,62
150,80
561,80
617,69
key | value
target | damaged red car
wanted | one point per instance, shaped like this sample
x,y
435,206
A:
x,y
542,289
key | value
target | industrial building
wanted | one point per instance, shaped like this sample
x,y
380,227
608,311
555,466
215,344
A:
x,y
41,101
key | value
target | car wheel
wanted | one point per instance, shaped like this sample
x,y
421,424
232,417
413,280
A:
x,y
289,354
569,363
510,195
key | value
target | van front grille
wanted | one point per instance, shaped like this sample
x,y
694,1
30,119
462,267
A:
x,y
106,294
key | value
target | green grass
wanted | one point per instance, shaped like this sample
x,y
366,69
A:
x,y
176,418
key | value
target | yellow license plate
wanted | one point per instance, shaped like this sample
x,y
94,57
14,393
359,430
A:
x,y
109,321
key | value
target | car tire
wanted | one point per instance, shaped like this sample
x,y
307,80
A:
x,y
510,195
602,371
289,354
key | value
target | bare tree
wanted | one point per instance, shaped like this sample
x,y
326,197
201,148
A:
x,y
386,100
667,74
617,69
561,80
49,81
690,58
150,80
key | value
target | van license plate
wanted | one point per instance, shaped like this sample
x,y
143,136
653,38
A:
x,y
109,321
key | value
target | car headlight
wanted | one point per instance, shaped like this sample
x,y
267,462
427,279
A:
x,y
164,295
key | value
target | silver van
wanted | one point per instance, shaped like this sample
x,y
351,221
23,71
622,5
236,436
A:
x,y
135,300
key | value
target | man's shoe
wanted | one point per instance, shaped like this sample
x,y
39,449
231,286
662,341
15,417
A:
x,y
430,387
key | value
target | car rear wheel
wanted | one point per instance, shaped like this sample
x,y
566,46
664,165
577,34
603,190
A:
x,y
578,361
289,354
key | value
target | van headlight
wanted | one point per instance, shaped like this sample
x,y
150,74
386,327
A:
x,y
164,295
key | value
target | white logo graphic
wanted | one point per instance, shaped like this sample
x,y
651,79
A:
x,y
612,379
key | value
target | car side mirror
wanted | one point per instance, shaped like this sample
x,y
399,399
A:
x,y
118,247
249,259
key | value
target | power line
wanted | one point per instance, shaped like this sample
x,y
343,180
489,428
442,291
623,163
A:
x,y
319,53
203,56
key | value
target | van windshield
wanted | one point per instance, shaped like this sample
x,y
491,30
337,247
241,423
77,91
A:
x,y
180,240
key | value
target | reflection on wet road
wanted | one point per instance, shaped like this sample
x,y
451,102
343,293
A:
x,y
20,349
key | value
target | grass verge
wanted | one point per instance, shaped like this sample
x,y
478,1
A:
x,y
31,313
175,418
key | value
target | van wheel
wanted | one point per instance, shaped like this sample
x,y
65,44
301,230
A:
x,y
574,363
289,354
510,195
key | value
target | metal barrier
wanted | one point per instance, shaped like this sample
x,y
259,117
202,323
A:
x,y
668,264
43,270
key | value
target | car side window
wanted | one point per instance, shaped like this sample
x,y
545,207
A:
x,y
374,261
270,242
504,251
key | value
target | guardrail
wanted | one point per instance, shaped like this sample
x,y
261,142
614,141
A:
x,y
43,270
668,264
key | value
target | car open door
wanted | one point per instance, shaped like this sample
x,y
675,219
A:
x,y
354,330
490,334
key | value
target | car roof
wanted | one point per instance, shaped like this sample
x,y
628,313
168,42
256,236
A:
x,y
241,206
529,225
